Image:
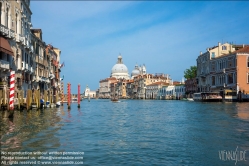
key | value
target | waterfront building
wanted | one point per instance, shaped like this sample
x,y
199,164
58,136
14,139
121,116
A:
x,y
190,87
180,91
141,81
104,87
130,90
16,52
40,76
88,93
114,89
229,74
56,69
175,90
152,89
203,64
97,93
23,50
123,90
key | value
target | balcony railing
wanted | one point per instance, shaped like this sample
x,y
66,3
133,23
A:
x,y
4,65
22,39
4,30
12,34
7,32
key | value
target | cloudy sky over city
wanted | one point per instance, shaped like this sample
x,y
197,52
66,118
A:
x,y
165,36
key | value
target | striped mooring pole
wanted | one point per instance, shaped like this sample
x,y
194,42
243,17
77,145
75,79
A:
x,y
62,93
69,95
79,96
12,89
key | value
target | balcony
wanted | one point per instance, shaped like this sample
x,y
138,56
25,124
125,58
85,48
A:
x,y
7,32
43,79
17,38
4,30
22,39
5,65
12,34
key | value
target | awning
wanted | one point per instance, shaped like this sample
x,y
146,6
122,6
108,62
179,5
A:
x,y
5,46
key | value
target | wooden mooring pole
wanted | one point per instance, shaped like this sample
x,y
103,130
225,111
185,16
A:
x,y
69,95
79,96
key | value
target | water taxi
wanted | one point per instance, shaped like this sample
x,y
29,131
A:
x,y
74,100
207,97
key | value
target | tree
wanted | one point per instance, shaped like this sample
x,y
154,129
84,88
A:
x,y
191,72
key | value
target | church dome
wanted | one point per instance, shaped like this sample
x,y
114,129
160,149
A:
x,y
135,71
119,70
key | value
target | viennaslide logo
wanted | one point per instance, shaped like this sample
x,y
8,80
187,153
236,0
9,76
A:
x,y
233,155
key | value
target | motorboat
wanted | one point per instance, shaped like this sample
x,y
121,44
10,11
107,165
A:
x,y
207,97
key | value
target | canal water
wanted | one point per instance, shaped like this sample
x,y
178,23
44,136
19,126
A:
x,y
135,132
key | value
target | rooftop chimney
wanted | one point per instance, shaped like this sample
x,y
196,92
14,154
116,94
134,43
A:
x,y
218,43
200,53
243,45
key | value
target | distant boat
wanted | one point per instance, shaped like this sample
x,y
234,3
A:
x,y
74,100
190,99
207,96
114,99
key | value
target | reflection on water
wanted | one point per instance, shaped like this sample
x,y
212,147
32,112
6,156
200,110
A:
x,y
30,127
133,132
243,110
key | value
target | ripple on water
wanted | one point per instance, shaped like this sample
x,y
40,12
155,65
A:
x,y
133,132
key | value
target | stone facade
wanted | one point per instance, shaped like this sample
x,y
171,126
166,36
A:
x,y
225,73
24,51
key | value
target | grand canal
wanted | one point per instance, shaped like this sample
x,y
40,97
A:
x,y
134,132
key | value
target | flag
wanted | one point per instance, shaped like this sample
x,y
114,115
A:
x,y
63,64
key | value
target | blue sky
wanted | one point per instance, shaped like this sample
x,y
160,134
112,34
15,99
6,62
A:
x,y
165,36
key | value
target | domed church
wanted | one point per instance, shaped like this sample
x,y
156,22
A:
x,y
119,70
138,71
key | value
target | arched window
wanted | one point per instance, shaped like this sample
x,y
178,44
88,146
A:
x,y
7,18
16,22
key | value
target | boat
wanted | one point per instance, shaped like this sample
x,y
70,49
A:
x,y
58,104
190,99
207,97
114,99
74,100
